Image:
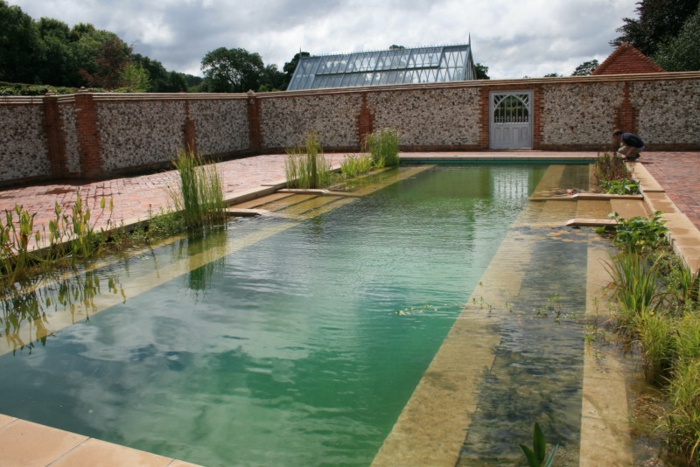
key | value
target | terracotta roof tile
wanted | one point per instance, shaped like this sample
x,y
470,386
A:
x,y
627,59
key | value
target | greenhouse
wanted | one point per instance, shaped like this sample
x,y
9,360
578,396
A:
x,y
383,67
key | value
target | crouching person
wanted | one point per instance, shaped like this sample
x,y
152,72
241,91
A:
x,y
630,145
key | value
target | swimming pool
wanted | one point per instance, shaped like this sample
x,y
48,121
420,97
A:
x,y
298,338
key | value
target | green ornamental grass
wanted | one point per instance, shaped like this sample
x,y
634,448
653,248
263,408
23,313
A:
x,y
383,145
199,197
306,166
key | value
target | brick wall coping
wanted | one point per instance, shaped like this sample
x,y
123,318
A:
x,y
498,83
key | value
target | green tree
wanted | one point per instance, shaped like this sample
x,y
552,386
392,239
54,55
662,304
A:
x,y
112,57
273,79
177,82
481,71
135,78
659,21
58,66
232,70
21,47
681,52
586,68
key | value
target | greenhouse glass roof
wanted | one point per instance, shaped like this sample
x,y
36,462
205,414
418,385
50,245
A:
x,y
395,66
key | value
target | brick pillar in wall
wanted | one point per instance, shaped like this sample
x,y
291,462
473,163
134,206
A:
x,y
484,117
88,135
189,131
55,136
365,121
626,114
254,128
537,113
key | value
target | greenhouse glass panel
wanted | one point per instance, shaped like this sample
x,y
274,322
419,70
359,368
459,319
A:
x,y
387,67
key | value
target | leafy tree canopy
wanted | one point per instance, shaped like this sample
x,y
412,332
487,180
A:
x,y
586,68
553,75
21,48
232,70
658,22
48,51
682,52
481,71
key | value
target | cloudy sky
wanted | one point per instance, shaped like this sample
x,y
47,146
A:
x,y
513,38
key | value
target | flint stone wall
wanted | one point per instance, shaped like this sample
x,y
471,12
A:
x,y
579,113
100,135
23,145
669,111
432,117
286,120
70,131
134,134
221,125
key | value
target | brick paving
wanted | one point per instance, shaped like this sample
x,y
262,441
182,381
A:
x,y
679,174
135,197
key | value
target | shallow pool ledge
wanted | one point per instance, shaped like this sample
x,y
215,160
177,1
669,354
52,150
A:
x,y
503,157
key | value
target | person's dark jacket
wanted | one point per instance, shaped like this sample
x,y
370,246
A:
x,y
632,140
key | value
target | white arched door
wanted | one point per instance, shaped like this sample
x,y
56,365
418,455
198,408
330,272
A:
x,y
510,120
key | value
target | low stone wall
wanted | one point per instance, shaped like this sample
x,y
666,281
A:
x,y
89,135
23,143
579,114
429,117
669,111
138,133
285,120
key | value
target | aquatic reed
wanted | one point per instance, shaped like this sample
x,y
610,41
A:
x,y
306,166
199,197
353,166
383,145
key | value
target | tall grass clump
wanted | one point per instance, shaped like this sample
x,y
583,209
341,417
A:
x,y
306,166
200,198
683,420
634,286
383,145
353,166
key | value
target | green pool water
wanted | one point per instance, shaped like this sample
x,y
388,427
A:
x,y
300,349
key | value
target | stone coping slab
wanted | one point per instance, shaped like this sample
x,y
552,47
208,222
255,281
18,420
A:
x,y
19,440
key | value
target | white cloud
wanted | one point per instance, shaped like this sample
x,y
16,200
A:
x,y
530,37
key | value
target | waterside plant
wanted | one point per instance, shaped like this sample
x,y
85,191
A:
x,y
354,166
537,456
306,166
383,145
657,307
199,196
613,175
71,236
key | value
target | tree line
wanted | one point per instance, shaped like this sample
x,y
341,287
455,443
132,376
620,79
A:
x,y
49,52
